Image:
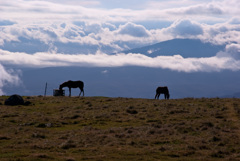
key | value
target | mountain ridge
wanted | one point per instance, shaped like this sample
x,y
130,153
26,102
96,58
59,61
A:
x,y
195,48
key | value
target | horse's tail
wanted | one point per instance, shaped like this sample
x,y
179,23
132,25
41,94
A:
x,y
82,88
83,84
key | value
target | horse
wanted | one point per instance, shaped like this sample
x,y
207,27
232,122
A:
x,y
73,84
162,90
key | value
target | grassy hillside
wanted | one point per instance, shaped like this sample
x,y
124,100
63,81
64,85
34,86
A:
x,y
99,128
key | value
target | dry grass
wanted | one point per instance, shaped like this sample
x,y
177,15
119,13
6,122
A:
x,y
99,128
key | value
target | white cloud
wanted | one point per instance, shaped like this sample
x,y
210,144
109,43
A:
x,y
111,38
133,30
76,2
176,63
104,72
231,50
202,9
231,7
29,11
7,77
185,28
6,23
222,33
235,21
172,3
108,36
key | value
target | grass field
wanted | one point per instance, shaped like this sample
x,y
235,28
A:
x,y
121,129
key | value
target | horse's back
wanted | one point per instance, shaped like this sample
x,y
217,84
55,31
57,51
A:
x,y
76,84
162,90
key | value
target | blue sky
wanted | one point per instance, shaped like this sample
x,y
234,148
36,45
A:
x,y
44,33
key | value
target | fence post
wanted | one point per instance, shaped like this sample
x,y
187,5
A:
x,y
45,90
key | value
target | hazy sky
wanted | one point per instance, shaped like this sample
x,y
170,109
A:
x,y
33,33
119,10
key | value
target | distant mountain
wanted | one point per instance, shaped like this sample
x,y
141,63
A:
x,y
184,47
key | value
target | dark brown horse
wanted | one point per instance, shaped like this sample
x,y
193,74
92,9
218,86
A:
x,y
73,84
162,90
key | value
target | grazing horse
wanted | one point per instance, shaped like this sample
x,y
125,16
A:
x,y
162,90
73,84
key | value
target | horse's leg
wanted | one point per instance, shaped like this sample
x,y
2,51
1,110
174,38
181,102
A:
x,y
69,92
156,96
79,93
82,91
165,96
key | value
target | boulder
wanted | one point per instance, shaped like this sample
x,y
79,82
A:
x,y
14,100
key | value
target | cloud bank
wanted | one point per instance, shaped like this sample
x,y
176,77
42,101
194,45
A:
x,y
8,77
100,10
54,24
80,37
224,60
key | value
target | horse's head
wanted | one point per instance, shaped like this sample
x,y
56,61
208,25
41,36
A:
x,y
61,86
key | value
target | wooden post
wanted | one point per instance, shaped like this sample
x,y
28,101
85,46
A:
x,y
45,90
